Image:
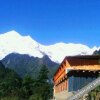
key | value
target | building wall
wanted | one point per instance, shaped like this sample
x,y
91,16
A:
x,y
60,81
61,86
65,84
79,79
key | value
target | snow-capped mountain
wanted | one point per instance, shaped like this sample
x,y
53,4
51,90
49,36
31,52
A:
x,y
13,42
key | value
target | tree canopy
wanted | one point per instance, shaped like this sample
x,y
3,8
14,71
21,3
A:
x,y
12,87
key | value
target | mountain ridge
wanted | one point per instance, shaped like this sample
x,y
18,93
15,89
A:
x,y
23,64
13,42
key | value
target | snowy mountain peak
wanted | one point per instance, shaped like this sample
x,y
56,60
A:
x,y
14,36
13,42
11,34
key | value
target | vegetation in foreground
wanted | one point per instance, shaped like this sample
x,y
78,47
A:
x,y
12,87
94,94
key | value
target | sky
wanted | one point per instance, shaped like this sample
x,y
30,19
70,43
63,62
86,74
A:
x,y
53,21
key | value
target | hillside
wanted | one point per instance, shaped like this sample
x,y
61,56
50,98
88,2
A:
x,y
28,65
9,81
96,52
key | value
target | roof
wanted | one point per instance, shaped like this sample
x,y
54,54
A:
x,y
81,60
84,56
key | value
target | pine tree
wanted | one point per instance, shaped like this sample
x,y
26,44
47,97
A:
x,y
42,84
27,87
43,74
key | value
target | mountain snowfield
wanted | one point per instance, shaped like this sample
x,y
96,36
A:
x,y
13,42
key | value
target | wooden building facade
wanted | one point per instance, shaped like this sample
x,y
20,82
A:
x,y
74,73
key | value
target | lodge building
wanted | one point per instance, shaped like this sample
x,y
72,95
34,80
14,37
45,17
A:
x,y
74,73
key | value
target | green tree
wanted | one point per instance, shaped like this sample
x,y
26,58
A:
x,y
43,74
27,87
10,82
42,85
35,97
